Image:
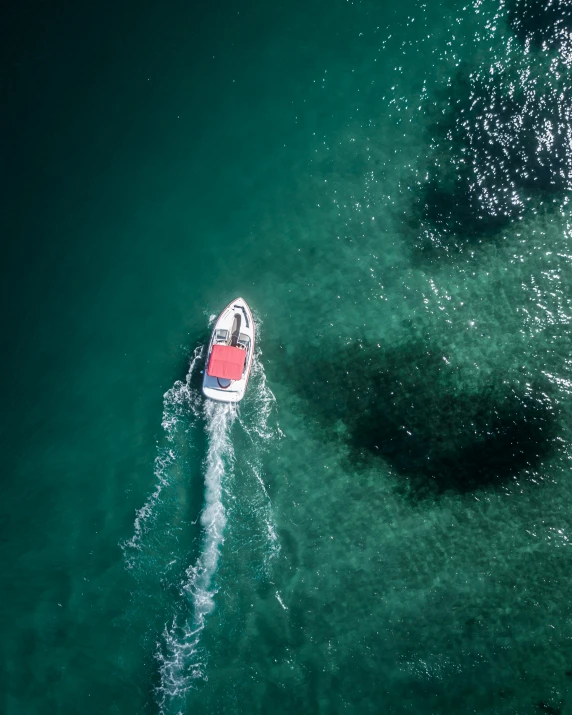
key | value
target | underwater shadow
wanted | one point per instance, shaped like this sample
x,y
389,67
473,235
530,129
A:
x,y
497,151
542,23
441,428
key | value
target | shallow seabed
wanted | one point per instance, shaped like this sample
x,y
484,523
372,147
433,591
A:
x,y
383,525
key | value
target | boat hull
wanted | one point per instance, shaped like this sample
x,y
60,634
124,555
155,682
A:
x,y
233,327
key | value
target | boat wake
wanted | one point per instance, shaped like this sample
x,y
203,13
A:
x,y
181,661
180,656
257,426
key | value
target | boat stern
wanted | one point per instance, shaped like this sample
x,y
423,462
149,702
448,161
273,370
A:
x,y
222,395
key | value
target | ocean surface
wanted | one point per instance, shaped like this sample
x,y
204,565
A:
x,y
384,524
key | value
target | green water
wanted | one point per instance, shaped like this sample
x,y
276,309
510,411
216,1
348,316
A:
x,y
383,526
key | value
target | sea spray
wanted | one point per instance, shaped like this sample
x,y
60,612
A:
x,y
262,402
179,654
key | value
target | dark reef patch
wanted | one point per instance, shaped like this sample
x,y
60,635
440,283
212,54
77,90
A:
x,y
500,144
442,427
542,23
549,709
447,204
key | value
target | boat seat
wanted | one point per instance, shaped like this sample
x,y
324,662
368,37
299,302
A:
x,y
243,339
221,336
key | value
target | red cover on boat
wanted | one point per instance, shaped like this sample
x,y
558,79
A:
x,y
226,362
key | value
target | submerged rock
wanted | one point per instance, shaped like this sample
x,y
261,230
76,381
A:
x,y
430,421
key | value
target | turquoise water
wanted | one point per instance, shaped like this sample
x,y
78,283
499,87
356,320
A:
x,y
383,525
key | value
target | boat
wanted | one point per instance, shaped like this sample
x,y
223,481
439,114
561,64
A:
x,y
230,354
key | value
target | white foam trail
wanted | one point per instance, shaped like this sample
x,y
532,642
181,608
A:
x,y
280,601
179,655
272,545
259,426
256,424
181,658
263,402
177,402
181,398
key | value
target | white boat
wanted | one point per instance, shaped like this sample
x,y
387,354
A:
x,y
230,354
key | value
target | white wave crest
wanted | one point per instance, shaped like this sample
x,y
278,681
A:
x,y
261,404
